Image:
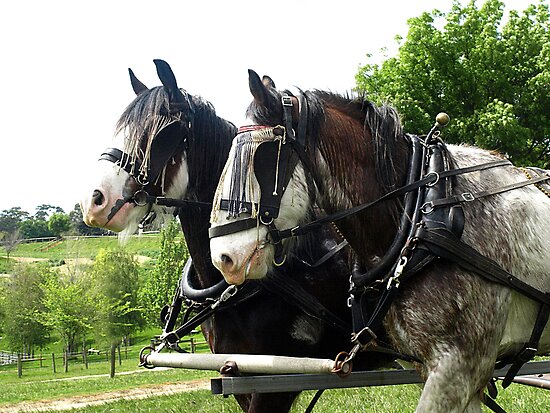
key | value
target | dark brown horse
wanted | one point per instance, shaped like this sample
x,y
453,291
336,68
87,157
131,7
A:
x,y
346,153
172,144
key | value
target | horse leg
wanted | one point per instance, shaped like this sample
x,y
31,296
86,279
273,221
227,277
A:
x,y
451,388
244,401
272,402
455,332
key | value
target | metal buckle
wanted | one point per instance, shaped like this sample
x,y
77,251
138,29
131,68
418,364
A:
x,y
286,100
467,196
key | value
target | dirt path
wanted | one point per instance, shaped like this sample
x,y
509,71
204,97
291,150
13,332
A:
x,y
102,398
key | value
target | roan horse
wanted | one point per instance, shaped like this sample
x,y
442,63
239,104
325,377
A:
x,y
434,300
172,145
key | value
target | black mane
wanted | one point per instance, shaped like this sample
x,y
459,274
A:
x,y
138,124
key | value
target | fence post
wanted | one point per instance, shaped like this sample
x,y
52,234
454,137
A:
x,y
113,355
192,341
66,360
85,357
53,362
40,360
19,365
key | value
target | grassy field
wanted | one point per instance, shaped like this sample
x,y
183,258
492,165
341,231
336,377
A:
x,y
85,247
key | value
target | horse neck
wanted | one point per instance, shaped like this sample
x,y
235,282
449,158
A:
x,y
347,177
208,151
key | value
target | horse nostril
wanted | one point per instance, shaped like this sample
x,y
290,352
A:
x,y
98,197
226,260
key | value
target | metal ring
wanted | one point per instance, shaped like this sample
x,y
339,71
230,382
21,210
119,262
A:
x,y
436,179
266,223
279,264
143,358
427,208
140,197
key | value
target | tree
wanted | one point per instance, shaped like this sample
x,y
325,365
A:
x,y
59,223
23,307
494,83
68,308
35,228
10,241
115,278
161,282
11,218
44,211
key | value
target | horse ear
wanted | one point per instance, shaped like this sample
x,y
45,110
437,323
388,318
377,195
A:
x,y
168,80
136,84
268,82
258,89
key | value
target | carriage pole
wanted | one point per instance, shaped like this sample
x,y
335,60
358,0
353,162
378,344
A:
x,y
247,363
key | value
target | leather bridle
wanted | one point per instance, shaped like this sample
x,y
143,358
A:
x,y
168,142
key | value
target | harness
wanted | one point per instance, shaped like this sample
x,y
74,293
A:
x,y
430,227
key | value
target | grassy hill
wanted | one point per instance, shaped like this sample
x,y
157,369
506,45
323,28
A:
x,y
85,247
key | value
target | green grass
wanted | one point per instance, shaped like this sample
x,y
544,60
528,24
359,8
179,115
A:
x,y
388,399
84,247
5,265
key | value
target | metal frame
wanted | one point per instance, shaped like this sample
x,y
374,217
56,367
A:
x,y
297,382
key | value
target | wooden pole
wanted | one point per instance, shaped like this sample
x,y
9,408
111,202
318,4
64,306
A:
x,y
119,356
66,361
19,365
40,360
85,357
53,362
113,351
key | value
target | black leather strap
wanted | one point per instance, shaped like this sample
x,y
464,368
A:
x,y
530,349
444,244
232,227
468,196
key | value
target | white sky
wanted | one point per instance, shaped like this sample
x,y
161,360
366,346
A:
x,y
64,79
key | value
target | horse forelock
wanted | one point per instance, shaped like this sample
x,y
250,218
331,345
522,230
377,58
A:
x,y
209,136
141,122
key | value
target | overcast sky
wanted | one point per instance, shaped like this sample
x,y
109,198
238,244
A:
x,y
65,81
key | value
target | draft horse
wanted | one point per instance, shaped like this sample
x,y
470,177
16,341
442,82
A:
x,y
167,158
452,241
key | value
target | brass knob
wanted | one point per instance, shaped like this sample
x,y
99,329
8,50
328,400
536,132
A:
x,y
442,119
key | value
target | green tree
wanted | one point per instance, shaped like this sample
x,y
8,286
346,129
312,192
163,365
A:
x,y
44,211
492,79
160,282
59,223
115,278
23,307
68,308
35,228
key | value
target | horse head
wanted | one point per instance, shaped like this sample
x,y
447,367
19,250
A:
x,y
263,186
148,158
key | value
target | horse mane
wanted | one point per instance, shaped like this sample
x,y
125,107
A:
x,y
381,124
209,146
208,142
